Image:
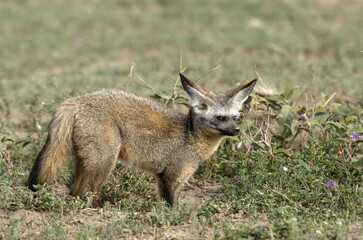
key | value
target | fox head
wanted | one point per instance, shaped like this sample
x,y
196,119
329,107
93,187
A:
x,y
217,113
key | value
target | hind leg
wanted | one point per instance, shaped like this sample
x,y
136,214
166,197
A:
x,y
93,171
100,176
82,178
92,179
96,152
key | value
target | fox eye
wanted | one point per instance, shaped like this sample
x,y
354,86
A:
x,y
235,118
221,118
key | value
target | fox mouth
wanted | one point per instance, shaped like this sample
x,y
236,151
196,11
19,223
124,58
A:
x,y
228,133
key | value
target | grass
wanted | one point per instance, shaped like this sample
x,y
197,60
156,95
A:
x,y
54,50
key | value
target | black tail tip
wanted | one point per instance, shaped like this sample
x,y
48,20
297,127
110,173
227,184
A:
x,y
31,182
31,188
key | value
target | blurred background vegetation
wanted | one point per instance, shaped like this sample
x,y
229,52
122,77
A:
x,y
52,47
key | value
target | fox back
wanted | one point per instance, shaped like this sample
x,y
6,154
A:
x,y
101,127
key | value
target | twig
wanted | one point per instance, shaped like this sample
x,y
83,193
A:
x,y
217,66
145,83
284,196
331,97
129,77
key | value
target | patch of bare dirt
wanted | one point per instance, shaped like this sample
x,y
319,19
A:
x,y
194,191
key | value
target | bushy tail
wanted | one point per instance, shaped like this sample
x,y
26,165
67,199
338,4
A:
x,y
57,147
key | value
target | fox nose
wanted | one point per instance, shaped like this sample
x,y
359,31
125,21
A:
x,y
237,129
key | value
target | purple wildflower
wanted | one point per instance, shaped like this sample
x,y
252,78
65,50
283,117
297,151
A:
x,y
354,136
250,148
303,116
239,144
331,184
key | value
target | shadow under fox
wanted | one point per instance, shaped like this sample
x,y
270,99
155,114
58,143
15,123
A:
x,y
100,127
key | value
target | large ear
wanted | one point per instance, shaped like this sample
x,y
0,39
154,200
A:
x,y
240,94
196,93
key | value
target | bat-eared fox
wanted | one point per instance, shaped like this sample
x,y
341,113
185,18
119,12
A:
x,y
103,126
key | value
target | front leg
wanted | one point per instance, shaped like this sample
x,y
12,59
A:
x,y
167,189
169,182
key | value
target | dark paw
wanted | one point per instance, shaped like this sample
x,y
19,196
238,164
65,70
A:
x,y
97,203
